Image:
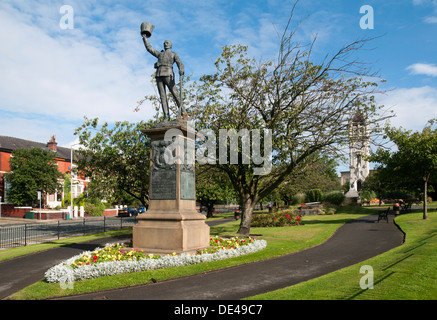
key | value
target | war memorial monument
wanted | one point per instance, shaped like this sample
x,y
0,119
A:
x,y
172,223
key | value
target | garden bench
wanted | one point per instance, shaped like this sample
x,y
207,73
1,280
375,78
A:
x,y
384,215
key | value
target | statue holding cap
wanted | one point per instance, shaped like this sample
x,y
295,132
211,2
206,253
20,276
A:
x,y
165,77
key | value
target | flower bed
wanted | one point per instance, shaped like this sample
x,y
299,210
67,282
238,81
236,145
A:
x,y
112,260
276,219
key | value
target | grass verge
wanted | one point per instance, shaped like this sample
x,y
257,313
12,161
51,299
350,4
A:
x,y
280,241
408,272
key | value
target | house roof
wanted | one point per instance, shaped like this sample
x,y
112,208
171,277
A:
x,y
9,144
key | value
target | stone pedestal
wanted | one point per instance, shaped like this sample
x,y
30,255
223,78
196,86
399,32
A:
x,y
171,223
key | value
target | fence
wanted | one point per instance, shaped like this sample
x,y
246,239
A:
x,y
25,234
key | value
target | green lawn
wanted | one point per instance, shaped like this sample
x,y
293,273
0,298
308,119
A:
x,y
408,272
280,241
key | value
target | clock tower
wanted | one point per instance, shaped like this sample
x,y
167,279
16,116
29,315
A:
x,y
359,149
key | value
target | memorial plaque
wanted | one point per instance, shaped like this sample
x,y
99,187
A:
x,y
188,190
163,184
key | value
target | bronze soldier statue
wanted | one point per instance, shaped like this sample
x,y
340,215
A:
x,y
164,74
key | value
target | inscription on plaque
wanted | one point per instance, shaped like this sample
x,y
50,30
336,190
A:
x,y
163,184
162,171
188,190
187,185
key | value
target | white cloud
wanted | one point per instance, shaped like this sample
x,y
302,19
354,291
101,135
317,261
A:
x,y
428,3
413,106
423,68
425,2
431,19
36,129
70,74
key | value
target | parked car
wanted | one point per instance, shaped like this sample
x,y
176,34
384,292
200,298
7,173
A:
x,y
141,209
127,212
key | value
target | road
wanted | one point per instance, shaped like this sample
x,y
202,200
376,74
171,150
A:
x,y
20,234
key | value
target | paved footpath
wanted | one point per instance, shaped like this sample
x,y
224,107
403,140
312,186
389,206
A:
x,y
355,241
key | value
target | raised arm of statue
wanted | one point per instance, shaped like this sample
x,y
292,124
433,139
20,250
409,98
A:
x,y
149,47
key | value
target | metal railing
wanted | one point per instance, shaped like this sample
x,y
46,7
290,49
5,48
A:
x,y
32,233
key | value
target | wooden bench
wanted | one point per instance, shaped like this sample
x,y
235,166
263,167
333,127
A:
x,y
384,215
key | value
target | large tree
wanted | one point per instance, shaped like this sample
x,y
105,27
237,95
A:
x,y
116,158
414,159
32,170
306,106
212,187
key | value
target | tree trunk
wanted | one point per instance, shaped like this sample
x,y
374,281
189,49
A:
x,y
209,211
246,216
425,199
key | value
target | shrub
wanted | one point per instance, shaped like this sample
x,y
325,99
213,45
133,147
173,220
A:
x,y
329,209
314,195
334,197
298,198
95,208
367,195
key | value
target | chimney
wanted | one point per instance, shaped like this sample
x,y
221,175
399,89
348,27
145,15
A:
x,y
52,144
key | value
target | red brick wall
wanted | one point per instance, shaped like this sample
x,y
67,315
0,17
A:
x,y
9,210
4,161
110,212
63,166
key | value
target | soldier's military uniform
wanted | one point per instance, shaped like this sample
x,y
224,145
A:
x,y
165,75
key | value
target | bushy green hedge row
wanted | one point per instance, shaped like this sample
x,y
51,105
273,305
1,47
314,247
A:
x,y
334,197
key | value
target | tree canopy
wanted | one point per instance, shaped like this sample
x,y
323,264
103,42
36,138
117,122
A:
x,y
115,158
32,170
304,107
413,163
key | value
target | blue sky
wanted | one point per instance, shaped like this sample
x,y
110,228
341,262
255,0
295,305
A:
x,y
52,77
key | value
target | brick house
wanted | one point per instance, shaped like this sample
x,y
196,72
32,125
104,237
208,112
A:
x,y
63,160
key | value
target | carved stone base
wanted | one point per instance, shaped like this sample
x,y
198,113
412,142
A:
x,y
172,223
169,232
